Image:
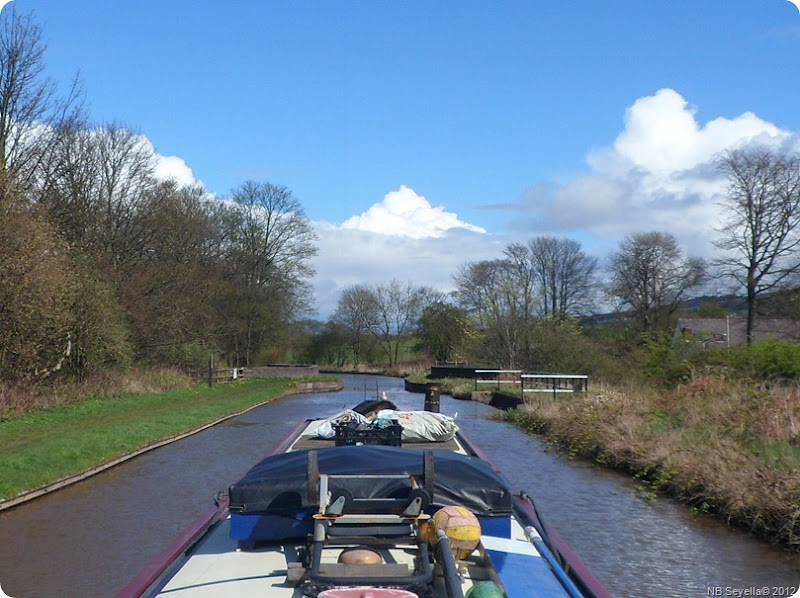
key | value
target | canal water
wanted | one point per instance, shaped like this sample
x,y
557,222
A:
x,y
92,538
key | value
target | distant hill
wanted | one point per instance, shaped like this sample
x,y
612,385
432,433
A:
x,y
733,304
783,304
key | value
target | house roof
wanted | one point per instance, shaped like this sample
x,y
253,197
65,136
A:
x,y
733,331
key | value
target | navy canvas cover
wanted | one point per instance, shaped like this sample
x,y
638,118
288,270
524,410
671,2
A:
x,y
279,484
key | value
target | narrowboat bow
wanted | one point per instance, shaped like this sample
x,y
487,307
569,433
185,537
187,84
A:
x,y
357,516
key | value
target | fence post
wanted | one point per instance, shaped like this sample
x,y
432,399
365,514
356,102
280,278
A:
x,y
211,371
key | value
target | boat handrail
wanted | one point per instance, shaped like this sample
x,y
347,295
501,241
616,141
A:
x,y
452,582
560,572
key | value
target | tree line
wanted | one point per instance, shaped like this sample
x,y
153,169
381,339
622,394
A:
x,y
522,309
102,263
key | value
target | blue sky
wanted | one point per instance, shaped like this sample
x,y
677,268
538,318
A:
x,y
421,135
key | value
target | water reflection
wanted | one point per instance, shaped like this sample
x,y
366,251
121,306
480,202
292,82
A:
x,y
90,539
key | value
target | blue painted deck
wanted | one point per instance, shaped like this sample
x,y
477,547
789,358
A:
x,y
522,569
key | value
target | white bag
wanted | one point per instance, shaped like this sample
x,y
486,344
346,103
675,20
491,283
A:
x,y
422,426
325,427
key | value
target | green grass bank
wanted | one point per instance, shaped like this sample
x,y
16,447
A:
x,y
458,388
724,447
46,445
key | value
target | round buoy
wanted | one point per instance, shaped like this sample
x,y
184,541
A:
x,y
485,589
361,555
461,527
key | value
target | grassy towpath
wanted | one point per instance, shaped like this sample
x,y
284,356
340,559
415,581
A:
x,y
45,446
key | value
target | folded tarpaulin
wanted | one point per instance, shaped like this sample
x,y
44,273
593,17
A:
x,y
279,484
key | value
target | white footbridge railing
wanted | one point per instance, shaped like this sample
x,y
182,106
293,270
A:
x,y
532,383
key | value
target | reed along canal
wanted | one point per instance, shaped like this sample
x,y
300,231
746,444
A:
x,y
90,539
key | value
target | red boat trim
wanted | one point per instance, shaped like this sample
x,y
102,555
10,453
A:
x,y
161,563
577,569
284,443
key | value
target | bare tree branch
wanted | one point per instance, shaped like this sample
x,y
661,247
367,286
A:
x,y
760,238
650,275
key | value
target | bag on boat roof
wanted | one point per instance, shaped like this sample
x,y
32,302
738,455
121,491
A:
x,y
422,426
325,428
418,426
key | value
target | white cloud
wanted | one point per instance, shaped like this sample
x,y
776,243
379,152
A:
x,y
662,134
658,174
403,213
168,168
348,257
174,168
401,237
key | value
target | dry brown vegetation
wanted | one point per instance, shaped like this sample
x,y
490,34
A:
x,y
731,448
19,398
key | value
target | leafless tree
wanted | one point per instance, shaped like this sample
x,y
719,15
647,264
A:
x,y
356,312
126,179
271,243
547,277
566,275
399,308
761,237
68,188
31,111
97,189
650,275
273,235
518,266
493,294
383,313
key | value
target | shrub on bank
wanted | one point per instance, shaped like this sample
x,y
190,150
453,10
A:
x,y
458,388
665,362
768,360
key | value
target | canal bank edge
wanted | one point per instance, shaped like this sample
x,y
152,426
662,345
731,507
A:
x,y
29,495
